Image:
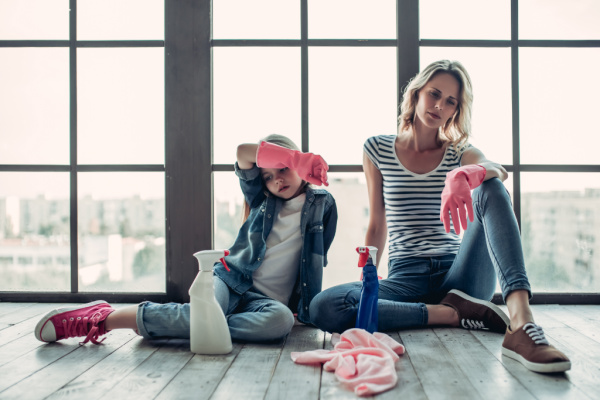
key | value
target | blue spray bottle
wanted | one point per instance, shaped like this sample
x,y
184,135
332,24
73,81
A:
x,y
367,308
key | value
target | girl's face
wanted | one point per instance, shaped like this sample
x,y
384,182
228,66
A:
x,y
438,100
282,182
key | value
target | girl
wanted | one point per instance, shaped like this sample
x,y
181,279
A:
x,y
276,261
419,183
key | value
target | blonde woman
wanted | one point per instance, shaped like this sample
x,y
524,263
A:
x,y
419,184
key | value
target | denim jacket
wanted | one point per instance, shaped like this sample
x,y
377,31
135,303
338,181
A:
x,y
318,223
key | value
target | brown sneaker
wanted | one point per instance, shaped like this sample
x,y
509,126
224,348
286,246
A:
x,y
476,314
529,346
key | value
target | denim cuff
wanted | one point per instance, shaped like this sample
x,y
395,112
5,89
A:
x,y
517,286
139,319
246,174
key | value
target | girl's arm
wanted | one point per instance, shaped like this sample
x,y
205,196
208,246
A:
x,y
377,228
494,170
246,155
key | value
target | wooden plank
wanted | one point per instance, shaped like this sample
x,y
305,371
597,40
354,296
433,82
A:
x,y
542,386
18,348
9,307
104,375
290,379
482,369
409,386
249,376
40,373
438,371
584,323
150,377
199,378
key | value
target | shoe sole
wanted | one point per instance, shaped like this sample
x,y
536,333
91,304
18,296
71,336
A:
x,y
538,367
489,304
42,322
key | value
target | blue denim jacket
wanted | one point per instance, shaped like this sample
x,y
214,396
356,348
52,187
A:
x,y
317,222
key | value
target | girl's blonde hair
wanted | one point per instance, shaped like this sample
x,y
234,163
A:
x,y
458,128
279,140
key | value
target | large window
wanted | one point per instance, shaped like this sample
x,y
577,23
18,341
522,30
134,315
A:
x,y
119,122
82,180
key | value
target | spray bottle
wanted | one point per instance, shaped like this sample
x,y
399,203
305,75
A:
x,y
209,332
367,308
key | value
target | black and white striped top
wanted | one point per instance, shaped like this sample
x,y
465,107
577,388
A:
x,y
413,201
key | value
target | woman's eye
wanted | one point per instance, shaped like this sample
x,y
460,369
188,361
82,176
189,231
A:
x,y
452,103
283,169
267,178
435,94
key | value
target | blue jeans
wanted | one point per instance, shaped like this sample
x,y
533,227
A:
x,y
251,316
491,247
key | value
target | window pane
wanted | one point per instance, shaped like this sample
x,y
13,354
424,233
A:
x,y
350,193
121,231
491,123
120,97
351,19
559,19
120,20
560,231
352,96
554,117
34,106
35,252
256,92
228,201
34,19
259,19
464,19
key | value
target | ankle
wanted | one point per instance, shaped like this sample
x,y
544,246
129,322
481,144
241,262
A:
x,y
440,314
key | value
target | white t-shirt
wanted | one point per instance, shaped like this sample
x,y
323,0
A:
x,y
277,274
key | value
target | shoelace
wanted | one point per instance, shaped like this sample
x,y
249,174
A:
x,y
75,327
536,333
472,324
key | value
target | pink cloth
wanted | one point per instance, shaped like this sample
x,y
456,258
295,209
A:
x,y
363,362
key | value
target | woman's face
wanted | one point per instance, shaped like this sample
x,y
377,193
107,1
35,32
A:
x,y
282,182
437,101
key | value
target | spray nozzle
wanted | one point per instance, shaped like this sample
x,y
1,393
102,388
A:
x,y
365,253
208,258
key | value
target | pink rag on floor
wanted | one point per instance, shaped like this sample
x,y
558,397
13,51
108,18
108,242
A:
x,y
362,361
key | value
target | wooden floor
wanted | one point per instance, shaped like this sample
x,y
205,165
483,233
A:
x,y
440,363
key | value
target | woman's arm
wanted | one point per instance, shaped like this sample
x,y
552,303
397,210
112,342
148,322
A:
x,y
246,155
377,228
494,170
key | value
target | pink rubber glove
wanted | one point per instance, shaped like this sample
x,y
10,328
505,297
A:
x,y
310,167
457,194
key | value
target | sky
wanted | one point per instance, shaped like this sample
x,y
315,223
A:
x,y
352,91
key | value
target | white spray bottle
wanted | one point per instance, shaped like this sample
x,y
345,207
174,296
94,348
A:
x,y
209,332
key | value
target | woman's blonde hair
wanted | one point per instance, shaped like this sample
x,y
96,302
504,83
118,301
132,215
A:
x,y
458,128
279,140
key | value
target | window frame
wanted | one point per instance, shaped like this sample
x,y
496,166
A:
x,y
188,164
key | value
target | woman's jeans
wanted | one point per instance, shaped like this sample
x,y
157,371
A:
x,y
491,247
251,316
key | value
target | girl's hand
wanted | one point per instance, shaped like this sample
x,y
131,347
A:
x,y
310,167
457,194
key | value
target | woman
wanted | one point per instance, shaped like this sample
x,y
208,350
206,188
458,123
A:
x,y
419,184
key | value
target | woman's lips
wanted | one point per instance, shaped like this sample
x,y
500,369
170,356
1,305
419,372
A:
x,y
283,189
434,115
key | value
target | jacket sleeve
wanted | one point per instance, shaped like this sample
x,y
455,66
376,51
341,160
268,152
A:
x,y
330,224
251,184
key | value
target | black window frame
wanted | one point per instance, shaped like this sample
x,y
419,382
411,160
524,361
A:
x,y
188,164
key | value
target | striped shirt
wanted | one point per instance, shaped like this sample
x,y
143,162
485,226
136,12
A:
x,y
412,202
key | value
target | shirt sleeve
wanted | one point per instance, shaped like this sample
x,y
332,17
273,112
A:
x,y
371,148
251,184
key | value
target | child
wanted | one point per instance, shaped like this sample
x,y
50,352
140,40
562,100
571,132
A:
x,y
276,261
419,181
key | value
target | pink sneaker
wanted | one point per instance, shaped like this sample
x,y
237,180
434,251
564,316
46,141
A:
x,y
85,320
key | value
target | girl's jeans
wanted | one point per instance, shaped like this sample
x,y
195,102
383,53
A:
x,y
251,316
491,247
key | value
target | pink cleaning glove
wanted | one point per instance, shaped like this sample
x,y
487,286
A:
x,y
457,194
310,167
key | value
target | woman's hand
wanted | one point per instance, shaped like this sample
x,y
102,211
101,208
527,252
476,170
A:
x,y
457,195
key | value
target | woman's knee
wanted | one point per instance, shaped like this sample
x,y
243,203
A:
x,y
280,323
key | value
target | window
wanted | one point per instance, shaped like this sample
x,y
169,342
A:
x,y
119,121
